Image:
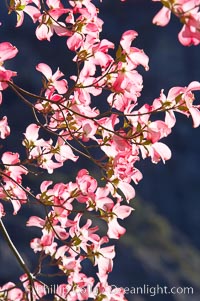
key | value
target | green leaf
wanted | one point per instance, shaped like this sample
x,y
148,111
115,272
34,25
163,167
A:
x,y
100,297
166,3
21,7
120,56
119,52
183,108
178,98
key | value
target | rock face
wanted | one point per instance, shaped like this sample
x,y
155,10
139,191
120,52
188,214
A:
x,y
157,250
156,255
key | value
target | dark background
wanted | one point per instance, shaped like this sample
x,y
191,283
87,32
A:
x,y
162,245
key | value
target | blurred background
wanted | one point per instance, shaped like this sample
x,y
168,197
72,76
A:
x,y
162,244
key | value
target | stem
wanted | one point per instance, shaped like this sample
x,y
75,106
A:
x,y
17,255
13,248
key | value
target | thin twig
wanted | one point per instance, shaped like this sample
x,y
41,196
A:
x,y
17,255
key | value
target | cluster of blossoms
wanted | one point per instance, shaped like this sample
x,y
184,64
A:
x,y
188,13
124,134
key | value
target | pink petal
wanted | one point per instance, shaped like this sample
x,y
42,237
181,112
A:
x,y
35,221
170,119
10,158
2,213
108,252
75,41
127,38
44,69
15,294
161,151
33,12
32,132
138,57
7,51
127,190
16,205
62,234
57,75
115,230
194,86
45,185
122,211
4,128
162,18
195,114
47,240
65,153
43,32
61,86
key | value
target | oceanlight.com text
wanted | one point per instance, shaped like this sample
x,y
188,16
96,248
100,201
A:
x,y
155,290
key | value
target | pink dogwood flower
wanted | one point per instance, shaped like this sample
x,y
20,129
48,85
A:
x,y
12,189
53,79
9,291
4,128
121,212
7,51
24,6
49,21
